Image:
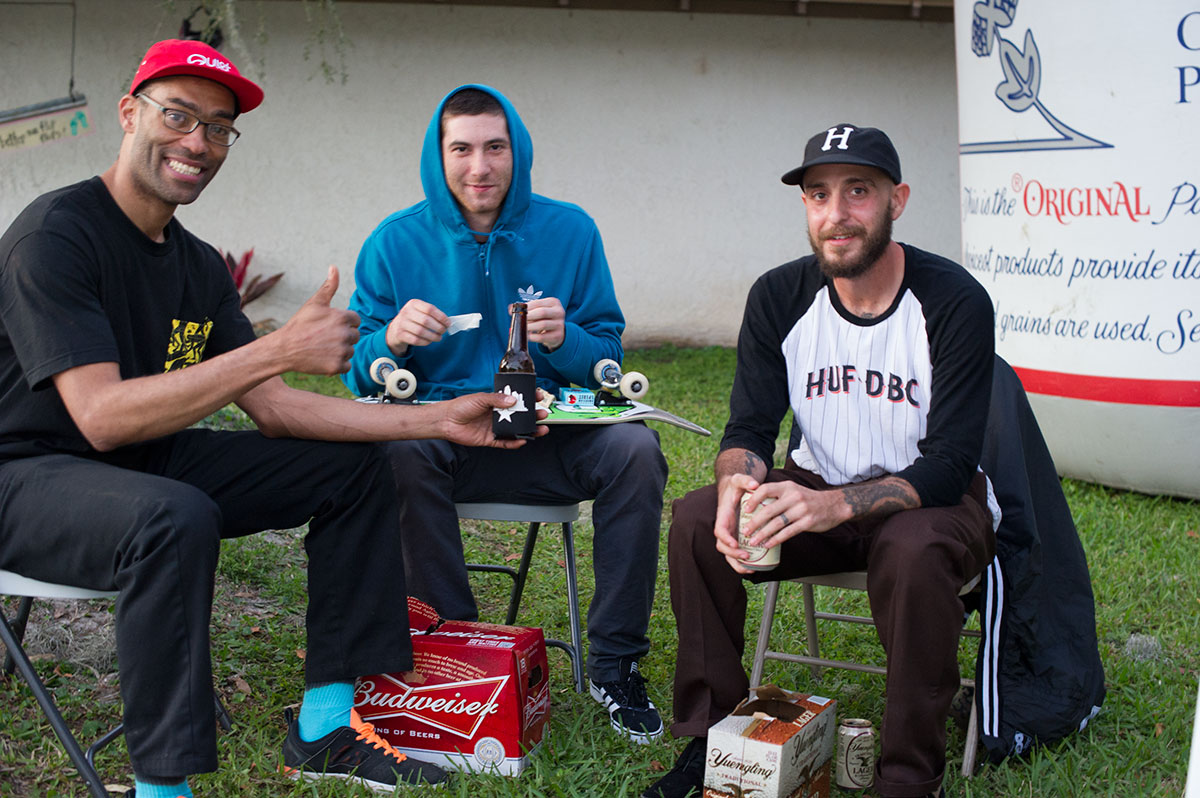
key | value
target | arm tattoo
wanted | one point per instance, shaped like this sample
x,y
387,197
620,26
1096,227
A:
x,y
881,498
751,463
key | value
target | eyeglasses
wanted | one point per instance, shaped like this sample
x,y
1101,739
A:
x,y
184,122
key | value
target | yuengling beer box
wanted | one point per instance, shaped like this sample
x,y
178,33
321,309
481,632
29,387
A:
x,y
776,744
477,698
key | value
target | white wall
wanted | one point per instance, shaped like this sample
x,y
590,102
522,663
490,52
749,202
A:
x,y
670,129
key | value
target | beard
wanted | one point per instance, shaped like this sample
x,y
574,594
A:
x,y
875,243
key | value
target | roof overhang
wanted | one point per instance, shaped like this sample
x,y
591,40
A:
x,y
917,10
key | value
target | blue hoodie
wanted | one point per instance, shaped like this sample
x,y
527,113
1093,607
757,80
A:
x,y
538,248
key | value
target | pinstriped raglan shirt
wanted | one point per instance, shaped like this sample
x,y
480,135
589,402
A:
x,y
904,393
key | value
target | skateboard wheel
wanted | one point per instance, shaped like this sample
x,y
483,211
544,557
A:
x,y
380,368
608,373
400,384
634,385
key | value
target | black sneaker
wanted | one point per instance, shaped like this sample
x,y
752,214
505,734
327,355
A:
x,y
354,753
629,708
686,778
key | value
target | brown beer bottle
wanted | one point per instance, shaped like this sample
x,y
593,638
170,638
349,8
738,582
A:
x,y
517,360
515,376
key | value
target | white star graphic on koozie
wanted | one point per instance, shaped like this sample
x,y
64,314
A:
x,y
506,413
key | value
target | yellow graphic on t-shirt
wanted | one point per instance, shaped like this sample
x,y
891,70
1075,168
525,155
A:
x,y
186,347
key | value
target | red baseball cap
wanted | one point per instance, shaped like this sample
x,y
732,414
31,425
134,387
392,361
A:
x,y
184,57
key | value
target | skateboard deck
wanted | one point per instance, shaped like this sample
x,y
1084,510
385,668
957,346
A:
x,y
636,411
566,414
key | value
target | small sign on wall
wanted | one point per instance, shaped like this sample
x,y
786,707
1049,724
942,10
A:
x,y
45,128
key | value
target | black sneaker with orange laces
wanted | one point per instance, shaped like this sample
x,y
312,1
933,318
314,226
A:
x,y
354,753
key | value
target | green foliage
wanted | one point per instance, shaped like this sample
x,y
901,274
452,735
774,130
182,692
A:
x,y
258,285
1144,554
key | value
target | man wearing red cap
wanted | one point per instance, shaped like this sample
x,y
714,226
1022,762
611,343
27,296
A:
x,y
118,331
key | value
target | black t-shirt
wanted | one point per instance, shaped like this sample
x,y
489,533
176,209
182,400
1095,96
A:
x,y
80,284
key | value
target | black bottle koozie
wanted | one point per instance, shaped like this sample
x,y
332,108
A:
x,y
519,420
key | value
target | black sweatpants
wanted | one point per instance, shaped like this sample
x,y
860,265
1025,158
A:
x,y
148,519
916,562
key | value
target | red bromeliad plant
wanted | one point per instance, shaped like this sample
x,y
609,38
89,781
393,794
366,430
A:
x,y
258,284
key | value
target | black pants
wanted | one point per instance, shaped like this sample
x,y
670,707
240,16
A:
x,y
620,466
916,562
148,521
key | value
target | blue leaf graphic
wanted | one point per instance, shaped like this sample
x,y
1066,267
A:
x,y
1022,74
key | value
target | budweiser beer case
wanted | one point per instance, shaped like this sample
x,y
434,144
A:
x,y
776,744
477,698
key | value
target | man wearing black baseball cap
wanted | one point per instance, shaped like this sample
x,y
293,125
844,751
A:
x,y
119,330
883,352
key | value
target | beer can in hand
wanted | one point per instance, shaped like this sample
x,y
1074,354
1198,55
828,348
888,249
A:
x,y
761,558
855,754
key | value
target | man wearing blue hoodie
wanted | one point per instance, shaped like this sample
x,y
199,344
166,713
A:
x,y
480,241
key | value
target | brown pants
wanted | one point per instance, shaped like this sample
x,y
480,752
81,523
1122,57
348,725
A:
x,y
916,562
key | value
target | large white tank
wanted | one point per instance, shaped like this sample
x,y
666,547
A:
x,y
1079,131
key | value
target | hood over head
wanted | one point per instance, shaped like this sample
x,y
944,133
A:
x,y
433,175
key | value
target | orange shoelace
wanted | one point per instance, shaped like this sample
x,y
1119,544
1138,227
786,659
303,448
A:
x,y
366,733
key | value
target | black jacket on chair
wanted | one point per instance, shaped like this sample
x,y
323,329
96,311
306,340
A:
x,y
1038,673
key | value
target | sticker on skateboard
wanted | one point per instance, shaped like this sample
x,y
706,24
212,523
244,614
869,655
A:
x,y
616,401
561,413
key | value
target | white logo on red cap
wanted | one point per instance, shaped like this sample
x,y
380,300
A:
x,y
199,59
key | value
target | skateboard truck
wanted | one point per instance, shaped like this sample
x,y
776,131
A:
x,y
398,384
616,387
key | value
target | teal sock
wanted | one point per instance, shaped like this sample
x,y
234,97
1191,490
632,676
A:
x,y
326,707
147,790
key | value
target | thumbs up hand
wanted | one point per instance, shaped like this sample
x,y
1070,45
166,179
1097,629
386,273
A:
x,y
327,290
319,339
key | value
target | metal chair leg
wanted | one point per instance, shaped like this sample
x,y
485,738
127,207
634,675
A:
x,y
518,588
972,742
82,763
810,625
573,605
18,628
573,649
764,633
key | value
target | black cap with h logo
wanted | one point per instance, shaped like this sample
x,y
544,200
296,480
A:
x,y
842,143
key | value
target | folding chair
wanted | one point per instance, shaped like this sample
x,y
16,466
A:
x,y
13,635
850,580
535,515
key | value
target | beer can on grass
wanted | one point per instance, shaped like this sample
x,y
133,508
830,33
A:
x,y
761,558
855,754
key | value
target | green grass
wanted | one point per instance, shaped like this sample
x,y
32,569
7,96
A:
x,y
1144,554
